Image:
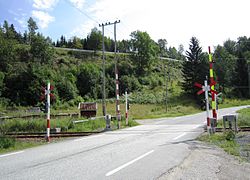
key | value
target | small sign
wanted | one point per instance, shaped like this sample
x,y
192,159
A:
x,y
88,106
88,109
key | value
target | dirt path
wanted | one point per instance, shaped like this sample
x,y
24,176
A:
x,y
209,162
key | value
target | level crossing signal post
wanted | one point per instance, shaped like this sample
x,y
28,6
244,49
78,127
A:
x,y
206,88
47,97
211,122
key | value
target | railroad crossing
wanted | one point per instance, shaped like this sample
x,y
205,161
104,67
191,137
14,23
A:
x,y
142,152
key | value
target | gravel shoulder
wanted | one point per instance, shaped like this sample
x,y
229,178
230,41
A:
x,y
209,162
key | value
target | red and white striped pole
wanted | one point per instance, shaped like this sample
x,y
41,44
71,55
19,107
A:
x,y
126,107
48,112
118,114
212,86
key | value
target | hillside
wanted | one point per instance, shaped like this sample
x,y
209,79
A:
x,y
29,60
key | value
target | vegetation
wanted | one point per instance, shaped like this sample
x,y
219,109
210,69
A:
x,y
10,144
244,117
230,141
28,60
224,140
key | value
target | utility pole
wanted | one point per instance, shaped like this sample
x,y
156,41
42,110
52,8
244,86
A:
x,y
166,98
118,115
103,73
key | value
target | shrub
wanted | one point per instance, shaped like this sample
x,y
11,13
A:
x,y
6,142
229,135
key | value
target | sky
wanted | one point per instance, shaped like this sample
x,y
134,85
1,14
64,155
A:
x,y
212,22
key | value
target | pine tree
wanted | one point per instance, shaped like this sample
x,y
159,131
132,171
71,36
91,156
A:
x,y
194,68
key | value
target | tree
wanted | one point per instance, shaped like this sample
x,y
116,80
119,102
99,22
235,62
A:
x,y
41,50
240,77
1,82
224,66
32,26
94,40
76,43
123,46
162,43
66,89
145,51
88,79
194,68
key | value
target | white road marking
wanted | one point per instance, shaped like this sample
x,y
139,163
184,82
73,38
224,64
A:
x,y
90,137
177,137
128,163
199,125
4,155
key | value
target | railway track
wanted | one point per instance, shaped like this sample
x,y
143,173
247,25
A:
x,y
240,129
52,135
77,134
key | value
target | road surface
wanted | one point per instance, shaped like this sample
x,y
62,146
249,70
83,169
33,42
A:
x,y
143,152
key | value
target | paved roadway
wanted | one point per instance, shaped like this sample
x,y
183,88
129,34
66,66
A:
x,y
142,152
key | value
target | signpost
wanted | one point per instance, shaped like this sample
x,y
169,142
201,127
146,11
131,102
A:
x,y
211,122
206,88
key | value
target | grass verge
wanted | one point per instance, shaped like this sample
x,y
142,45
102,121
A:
x,y
237,145
224,140
11,144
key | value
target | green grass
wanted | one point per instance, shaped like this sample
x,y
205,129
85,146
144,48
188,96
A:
x,y
226,140
20,144
234,102
243,118
223,140
147,111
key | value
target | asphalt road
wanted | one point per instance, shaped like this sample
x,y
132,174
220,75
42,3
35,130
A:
x,y
142,152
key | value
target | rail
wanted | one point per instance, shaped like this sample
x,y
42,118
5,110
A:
x,y
24,135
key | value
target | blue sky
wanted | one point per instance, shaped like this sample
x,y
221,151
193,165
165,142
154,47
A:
x,y
212,22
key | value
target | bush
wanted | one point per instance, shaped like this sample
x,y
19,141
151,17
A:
x,y
229,135
6,142
129,82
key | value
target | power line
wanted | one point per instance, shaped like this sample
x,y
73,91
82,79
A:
x,y
81,11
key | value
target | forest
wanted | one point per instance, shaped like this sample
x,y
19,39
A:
x,y
28,60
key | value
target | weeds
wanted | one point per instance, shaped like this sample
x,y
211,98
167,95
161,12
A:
x,y
6,142
224,140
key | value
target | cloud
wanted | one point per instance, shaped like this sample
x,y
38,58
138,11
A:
x,y
44,4
177,21
78,3
19,17
83,30
43,18
21,21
